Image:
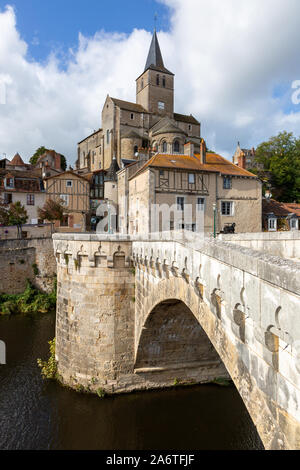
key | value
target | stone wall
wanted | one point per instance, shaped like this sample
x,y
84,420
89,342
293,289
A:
x,y
283,244
17,264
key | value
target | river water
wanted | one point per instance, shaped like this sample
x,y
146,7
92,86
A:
x,y
37,414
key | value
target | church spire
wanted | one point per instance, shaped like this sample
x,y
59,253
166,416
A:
x,y
154,57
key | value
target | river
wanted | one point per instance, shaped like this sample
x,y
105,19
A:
x,y
37,414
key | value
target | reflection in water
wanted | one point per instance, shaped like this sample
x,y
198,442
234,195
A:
x,y
37,414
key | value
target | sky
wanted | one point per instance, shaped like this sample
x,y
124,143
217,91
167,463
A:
x,y
235,62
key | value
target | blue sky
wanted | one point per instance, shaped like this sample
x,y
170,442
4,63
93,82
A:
x,y
54,25
60,59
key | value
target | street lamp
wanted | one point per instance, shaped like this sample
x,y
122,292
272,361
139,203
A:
x,y
215,213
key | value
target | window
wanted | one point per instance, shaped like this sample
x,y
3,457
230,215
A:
x,y
164,82
7,198
272,224
69,183
176,146
190,127
131,116
191,178
65,199
157,79
180,203
107,136
164,147
227,208
227,182
161,105
136,149
9,182
200,203
294,224
30,199
142,83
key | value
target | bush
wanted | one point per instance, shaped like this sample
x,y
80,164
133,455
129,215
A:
x,y
30,301
49,368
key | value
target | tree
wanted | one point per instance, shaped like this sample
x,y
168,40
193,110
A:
x,y
280,157
53,210
63,163
17,215
36,155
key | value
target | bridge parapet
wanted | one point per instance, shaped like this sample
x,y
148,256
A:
x,y
255,301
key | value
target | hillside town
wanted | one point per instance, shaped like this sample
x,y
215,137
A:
x,y
146,153
152,263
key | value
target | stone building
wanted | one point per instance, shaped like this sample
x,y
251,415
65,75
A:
x,y
280,216
245,158
25,186
223,192
130,130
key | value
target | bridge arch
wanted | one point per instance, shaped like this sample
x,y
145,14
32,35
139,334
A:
x,y
231,355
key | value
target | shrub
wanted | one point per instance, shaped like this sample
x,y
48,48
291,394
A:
x,y
49,368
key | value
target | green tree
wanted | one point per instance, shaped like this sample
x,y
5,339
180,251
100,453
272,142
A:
x,y
36,155
280,156
63,163
17,215
53,210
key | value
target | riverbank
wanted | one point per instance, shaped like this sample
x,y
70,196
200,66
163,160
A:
x,y
31,300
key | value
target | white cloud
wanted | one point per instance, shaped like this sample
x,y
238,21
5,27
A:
x,y
228,57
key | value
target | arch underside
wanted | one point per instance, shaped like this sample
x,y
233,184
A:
x,y
153,349
173,338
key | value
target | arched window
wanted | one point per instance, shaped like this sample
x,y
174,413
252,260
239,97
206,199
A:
x,y
164,147
154,146
142,84
157,79
164,82
176,146
136,149
107,136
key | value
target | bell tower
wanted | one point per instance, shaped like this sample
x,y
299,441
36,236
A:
x,y
155,87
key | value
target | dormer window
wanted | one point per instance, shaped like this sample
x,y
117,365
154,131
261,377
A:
x,y
161,105
157,79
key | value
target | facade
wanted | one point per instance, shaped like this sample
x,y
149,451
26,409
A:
x,y
245,158
279,216
74,191
199,180
23,186
131,130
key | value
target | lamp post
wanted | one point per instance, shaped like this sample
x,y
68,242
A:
x,y
215,213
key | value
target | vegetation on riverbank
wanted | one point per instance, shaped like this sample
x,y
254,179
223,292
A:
x,y
49,367
30,301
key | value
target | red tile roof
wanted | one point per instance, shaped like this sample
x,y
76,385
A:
x,y
214,163
280,209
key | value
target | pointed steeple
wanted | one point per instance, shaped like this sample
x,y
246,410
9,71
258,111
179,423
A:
x,y
154,57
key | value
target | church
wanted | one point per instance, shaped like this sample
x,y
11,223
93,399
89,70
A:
x,y
147,154
131,130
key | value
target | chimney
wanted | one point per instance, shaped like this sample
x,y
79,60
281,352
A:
x,y
57,161
203,152
189,149
242,161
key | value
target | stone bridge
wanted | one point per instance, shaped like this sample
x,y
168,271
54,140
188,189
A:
x,y
174,308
